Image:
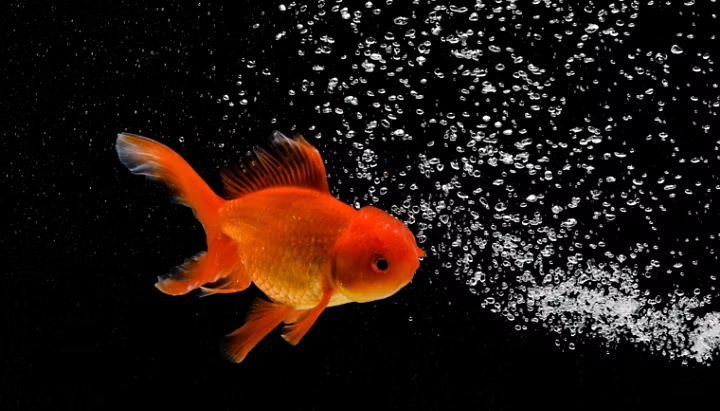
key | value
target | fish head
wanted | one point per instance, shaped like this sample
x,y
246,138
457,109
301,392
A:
x,y
375,257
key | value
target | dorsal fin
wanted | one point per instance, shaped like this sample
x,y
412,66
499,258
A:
x,y
288,162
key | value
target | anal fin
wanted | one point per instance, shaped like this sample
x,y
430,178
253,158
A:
x,y
237,280
220,261
183,278
262,318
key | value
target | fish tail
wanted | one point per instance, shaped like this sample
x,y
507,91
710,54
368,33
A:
x,y
153,159
221,262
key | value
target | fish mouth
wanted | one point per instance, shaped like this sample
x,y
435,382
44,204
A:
x,y
412,242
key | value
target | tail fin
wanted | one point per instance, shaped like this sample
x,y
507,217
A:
x,y
148,157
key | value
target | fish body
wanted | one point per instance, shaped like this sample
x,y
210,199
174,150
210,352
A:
x,y
279,227
284,236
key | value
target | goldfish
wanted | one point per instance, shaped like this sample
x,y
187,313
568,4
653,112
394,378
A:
x,y
278,226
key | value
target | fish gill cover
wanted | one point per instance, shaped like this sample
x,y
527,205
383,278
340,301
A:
x,y
557,159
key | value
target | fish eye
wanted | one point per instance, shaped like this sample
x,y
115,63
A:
x,y
382,264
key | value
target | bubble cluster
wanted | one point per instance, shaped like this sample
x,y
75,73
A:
x,y
566,155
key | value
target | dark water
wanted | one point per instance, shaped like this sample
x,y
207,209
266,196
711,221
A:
x,y
591,287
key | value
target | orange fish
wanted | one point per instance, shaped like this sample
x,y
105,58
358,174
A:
x,y
279,227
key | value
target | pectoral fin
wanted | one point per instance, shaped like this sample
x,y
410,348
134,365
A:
x,y
262,318
295,316
294,333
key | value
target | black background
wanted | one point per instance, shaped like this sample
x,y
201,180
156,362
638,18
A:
x,y
83,239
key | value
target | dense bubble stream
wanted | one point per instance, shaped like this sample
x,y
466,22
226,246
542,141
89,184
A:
x,y
558,160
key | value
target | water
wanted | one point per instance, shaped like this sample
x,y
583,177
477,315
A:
x,y
557,162
551,181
